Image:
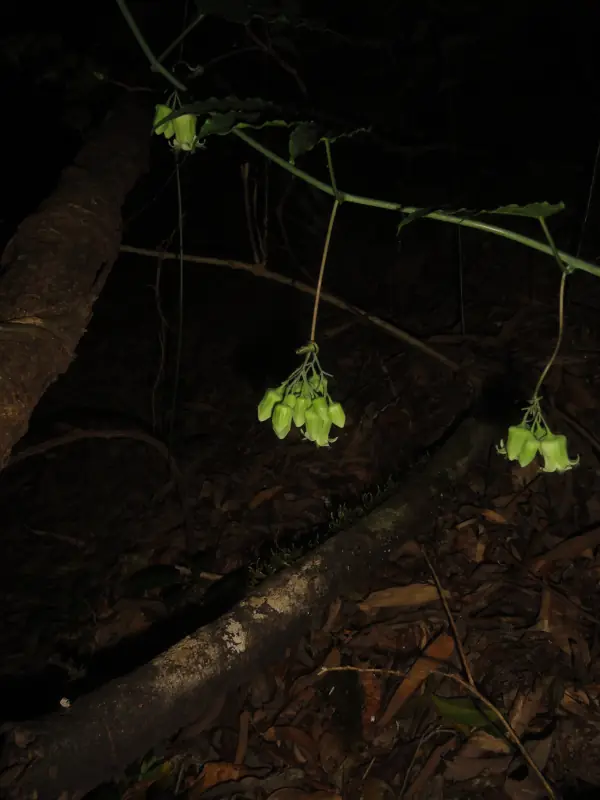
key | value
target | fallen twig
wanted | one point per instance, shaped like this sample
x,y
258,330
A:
x,y
260,271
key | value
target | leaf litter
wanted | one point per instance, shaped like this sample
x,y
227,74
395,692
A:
x,y
368,704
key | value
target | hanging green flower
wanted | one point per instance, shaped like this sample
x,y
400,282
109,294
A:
x,y
553,448
303,400
533,436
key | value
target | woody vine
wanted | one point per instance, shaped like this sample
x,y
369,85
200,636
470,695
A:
x,y
303,399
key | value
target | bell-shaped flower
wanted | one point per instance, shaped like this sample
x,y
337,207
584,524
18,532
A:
x,y
553,448
519,436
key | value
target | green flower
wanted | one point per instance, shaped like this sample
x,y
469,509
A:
x,y
282,420
337,415
167,128
556,458
518,437
267,404
185,131
529,450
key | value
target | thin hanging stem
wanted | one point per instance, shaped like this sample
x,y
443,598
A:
x,y
337,201
179,346
313,327
561,326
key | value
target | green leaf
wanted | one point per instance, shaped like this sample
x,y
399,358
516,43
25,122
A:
x,y
418,214
221,124
302,139
533,210
463,711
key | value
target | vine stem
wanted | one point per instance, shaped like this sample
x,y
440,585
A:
x,y
561,329
573,261
154,62
534,244
336,204
313,327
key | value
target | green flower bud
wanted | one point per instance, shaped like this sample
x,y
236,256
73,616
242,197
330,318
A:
x,y
160,113
313,424
267,404
322,438
282,420
318,383
185,131
553,448
528,452
302,404
337,415
518,436
320,406
290,400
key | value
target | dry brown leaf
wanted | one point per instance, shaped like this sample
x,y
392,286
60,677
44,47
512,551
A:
x,y
304,747
531,788
440,650
508,505
485,742
526,706
462,768
385,637
494,516
242,745
215,772
331,752
415,594
472,543
263,496
428,769
568,550
560,618
334,609
577,701
371,686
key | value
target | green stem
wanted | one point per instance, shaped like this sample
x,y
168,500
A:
x,y
179,39
313,327
561,327
572,261
154,63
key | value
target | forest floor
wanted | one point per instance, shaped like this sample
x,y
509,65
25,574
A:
x,y
98,545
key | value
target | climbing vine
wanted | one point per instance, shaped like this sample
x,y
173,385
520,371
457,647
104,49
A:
x,y
303,399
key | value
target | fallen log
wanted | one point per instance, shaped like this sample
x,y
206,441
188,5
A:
x,y
56,264
69,753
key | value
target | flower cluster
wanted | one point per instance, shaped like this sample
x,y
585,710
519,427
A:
x,y
533,436
303,400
